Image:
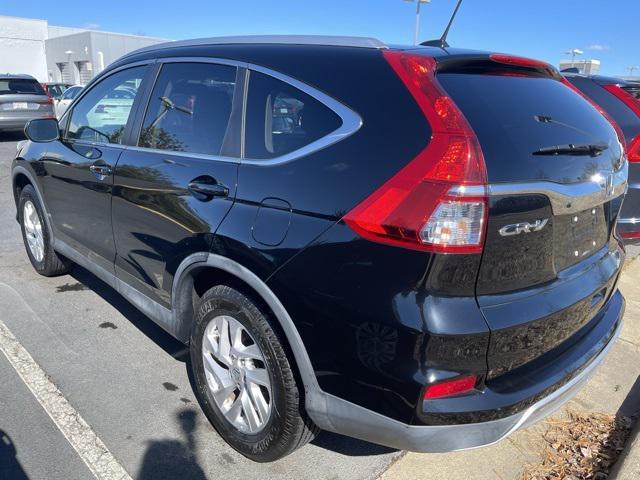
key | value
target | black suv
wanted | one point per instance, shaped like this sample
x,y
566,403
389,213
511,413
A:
x,y
620,99
411,246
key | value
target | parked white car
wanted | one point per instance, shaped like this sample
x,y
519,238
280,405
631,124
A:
x,y
65,100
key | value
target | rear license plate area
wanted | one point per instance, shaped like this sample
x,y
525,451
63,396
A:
x,y
20,105
578,236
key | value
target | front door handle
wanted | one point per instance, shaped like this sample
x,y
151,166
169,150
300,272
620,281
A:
x,y
208,189
102,170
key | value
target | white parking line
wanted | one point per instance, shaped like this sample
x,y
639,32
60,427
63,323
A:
x,y
76,430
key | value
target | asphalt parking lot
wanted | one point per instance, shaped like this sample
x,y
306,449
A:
x,y
126,378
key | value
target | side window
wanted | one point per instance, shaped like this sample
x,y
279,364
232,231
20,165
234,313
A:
x,y
282,119
102,114
70,93
190,109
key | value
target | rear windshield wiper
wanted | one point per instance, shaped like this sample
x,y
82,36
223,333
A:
x,y
590,149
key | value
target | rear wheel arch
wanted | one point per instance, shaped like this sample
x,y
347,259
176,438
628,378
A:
x,y
201,271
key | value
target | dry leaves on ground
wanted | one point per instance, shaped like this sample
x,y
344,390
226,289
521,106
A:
x,y
583,447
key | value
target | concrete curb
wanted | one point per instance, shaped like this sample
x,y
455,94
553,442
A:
x,y
628,465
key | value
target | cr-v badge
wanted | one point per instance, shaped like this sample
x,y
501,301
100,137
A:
x,y
524,227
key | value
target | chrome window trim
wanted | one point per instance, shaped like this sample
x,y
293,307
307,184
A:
x,y
351,121
200,156
564,198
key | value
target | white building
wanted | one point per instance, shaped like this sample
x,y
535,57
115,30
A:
x,y
61,54
587,67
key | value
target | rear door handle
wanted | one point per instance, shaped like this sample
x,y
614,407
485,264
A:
x,y
208,189
101,169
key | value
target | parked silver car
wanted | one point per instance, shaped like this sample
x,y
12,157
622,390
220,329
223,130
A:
x,y
22,98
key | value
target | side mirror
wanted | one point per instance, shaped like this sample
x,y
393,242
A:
x,y
42,130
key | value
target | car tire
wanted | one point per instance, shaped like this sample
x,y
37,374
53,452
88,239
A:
x,y
287,426
36,238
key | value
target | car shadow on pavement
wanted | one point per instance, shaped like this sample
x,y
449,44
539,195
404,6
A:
x,y
170,458
329,441
631,405
138,319
348,446
10,467
630,408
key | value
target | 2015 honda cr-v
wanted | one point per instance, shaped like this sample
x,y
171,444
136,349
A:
x,y
412,246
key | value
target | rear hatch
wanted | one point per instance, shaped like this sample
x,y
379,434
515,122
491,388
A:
x,y
22,97
556,172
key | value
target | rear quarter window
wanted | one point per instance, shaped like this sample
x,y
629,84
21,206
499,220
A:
x,y
282,119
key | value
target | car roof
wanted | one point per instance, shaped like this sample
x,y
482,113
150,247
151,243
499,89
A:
x,y
600,78
16,76
324,40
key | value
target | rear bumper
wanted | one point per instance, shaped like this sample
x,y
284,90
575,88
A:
x,y
340,416
17,122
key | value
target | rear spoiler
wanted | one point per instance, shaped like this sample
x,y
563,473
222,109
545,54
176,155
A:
x,y
496,64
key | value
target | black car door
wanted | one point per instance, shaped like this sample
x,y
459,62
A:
x,y
78,169
177,181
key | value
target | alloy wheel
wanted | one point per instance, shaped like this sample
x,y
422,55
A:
x,y
33,230
235,369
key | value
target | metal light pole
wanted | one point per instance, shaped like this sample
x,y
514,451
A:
x,y
573,52
631,68
417,29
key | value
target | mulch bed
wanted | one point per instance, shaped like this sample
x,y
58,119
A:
x,y
583,447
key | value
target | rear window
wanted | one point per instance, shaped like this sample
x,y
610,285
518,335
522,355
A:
x,y
19,86
514,116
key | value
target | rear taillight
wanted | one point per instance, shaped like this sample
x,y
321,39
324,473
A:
x,y
633,148
630,235
48,101
438,201
615,125
450,388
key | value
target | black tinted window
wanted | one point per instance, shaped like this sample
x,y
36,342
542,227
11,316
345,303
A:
x,y
16,86
190,109
102,114
282,119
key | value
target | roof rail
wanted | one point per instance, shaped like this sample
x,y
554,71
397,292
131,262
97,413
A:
x,y
328,40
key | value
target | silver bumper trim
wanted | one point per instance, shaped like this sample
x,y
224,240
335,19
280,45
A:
x,y
340,416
